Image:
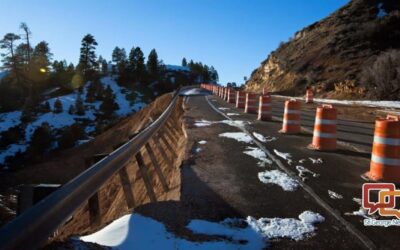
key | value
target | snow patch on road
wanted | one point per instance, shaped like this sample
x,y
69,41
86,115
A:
x,y
250,233
223,108
285,156
259,155
233,114
236,123
315,161
335,196
203,123
202,142
279,178
239,136
262,138
304,171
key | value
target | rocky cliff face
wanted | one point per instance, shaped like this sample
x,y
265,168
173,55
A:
x,y
333,55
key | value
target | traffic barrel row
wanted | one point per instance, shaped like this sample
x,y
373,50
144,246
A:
x,y
385,157
251,105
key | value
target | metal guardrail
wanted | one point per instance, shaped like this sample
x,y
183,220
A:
x,y
32,229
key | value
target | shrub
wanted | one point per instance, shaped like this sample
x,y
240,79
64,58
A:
x,y
382,77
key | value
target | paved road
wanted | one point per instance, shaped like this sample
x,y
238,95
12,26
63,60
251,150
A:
x,y
220,181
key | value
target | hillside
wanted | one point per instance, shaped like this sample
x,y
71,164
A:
x,y
353,53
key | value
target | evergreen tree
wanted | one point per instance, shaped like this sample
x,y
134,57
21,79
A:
x,y
108,106
71,109
80,108
46,107
91,92
58,107
153,65
87,60
104,67
41,60
41,140
136,66
184,62
27,34
10,61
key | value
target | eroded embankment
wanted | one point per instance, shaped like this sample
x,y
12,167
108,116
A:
x,y
111,196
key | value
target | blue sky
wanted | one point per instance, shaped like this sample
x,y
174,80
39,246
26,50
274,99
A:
x,y
232,35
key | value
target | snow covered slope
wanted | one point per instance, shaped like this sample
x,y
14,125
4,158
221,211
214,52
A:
x,y
63,119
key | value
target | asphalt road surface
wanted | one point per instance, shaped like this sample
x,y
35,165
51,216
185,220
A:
x,y
220,181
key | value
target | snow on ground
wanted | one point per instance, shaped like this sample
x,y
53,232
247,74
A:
x,y
198,150
202,123
262,138
259,155
223,108
381,11
239,136
361,212
202,142
366,103
63,119
250,233
232,114
9,119
285,156
279,178
236,123
191,92
304,171
12,150
315,161
357,200
233,123
334,195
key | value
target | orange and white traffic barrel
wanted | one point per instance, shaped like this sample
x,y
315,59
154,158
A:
x,y
265,108
231,95
251,103
291,117
324,136
226,94
309,96
240,99
385,158
265,91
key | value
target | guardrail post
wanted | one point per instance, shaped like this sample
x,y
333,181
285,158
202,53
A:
x,y
162,152
169,147
157,167
94,202
127,187
172,128
147,182
173,133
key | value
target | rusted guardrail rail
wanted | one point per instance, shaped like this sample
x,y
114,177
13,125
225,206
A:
x,y
33,228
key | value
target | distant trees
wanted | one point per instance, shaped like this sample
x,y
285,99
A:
x,y
206,73
136,65
41,141
184,62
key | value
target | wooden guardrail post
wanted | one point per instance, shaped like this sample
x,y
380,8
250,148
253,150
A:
x,y
157,167
94,202
162,152
126,187
146,179
169,147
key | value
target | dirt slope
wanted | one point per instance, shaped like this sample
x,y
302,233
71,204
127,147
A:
x,y
331,55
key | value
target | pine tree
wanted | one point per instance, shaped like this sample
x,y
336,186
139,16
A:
x,y
136,65
58,107
80,108
104,67
71,109
41,60
184,62
27,34
91,92
108,106
10,61
153,65
41,140
46,107
87,60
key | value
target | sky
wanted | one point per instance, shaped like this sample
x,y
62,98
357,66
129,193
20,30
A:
x,y
234,36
